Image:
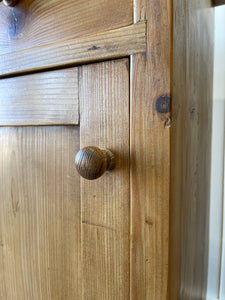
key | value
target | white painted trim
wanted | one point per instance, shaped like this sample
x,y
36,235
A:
x,y
222,266
216,232
216,264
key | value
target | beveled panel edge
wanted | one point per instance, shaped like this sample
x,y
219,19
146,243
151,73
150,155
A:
x,y
111,44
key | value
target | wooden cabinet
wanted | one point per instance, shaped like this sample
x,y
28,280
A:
x,y
76,74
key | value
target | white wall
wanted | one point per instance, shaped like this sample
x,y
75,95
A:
x,y
216,272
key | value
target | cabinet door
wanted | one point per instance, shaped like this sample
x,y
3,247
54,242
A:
x,y
62,236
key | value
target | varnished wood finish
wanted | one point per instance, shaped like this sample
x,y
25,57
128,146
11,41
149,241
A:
x,y
39,214
191,147
107,45
124,219
49,98
150,155
219,2
104,121
38,22
10,2
92,162
137,176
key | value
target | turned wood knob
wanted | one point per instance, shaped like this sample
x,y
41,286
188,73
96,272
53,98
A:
x,y
9,2
92,162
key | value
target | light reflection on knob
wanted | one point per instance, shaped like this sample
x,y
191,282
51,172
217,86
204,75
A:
x,y
10,2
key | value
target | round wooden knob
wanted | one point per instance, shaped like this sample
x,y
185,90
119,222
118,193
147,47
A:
x,y
92,162
9,2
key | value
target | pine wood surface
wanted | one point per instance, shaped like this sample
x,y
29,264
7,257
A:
x,y
34,23
49,98
106,45
54,244
150,155
39,214
137,176
191,148
105,202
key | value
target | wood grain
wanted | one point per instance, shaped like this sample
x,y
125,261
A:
x,y
106,45
39,214
219,2
138,177
150,155
41,99
191,147
92,162
104,122
38,22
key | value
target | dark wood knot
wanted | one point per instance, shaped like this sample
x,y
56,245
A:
x,y
92,162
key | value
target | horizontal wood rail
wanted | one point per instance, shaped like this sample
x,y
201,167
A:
x,y
219,2
107,45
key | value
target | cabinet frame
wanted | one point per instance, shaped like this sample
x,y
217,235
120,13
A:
x,y
147,43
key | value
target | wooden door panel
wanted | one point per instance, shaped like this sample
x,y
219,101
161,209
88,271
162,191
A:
x,y
104,122
48,98
39,214
34,23
62,237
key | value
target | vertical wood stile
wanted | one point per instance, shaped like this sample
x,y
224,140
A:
x,y
104,123
150,154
